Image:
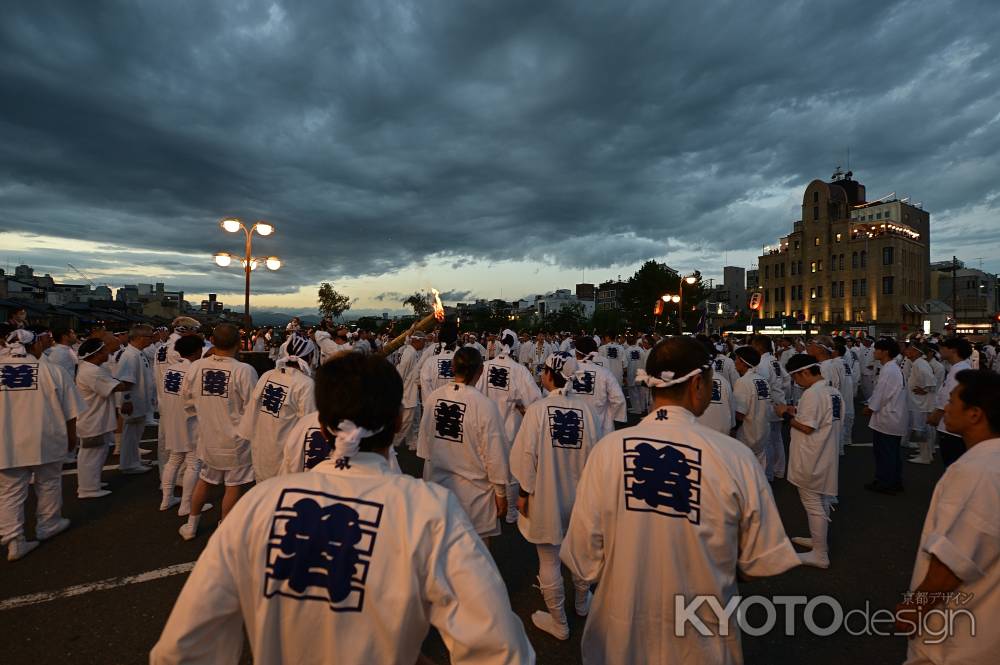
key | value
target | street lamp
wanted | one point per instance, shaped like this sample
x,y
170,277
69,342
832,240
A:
x,y
669,298
248,261
690,280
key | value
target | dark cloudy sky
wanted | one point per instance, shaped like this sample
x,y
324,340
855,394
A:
x,y
480,147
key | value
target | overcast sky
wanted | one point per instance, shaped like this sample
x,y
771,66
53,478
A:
x,y
486,148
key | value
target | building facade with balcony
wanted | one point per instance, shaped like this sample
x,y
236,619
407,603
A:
x,y
850,261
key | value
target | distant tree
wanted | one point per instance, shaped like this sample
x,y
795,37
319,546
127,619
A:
x,y
420,303
331,303
569,318
607,320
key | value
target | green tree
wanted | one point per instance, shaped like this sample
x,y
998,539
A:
x,y
420,303
331,303
569,318
644,288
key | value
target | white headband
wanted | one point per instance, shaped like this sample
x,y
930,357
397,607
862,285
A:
x,y
347,442
19,340
804,367
666,379
84,356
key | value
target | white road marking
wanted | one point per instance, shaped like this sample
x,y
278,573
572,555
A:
x,y
861,445
103,585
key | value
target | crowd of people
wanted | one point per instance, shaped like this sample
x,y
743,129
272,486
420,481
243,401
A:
x,y
325,547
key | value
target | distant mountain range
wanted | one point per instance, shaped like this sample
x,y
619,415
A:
x,y
268,318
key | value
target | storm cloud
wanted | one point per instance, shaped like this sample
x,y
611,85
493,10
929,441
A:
x,y
382,135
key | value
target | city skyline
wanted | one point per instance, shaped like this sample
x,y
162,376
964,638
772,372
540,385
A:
x,y
495,154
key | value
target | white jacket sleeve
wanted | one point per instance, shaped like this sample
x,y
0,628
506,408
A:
x,y
469,604
524,455
206,626
583,547
494,446
616,401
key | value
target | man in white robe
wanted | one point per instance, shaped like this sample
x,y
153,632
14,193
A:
x,y
922,388
436,365
889,420
866,357
956,352
512,389
594,383
218,389
614,355
548,458
957,567
38,411
96,422
666,511
464,446
771,370
752,405
138,399
280,399
720,414
814,453
61,352
348,563
409,372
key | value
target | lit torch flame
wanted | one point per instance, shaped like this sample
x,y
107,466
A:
x,y
438,307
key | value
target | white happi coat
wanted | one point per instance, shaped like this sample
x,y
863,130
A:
x,y
178,424
725,367
597,386
349,565
848,387
721,412
436,371
280,399
613,355
777,379
508,384
960,530
536,356
889,402
409,372
96,388
667,508
635,359
217,390
132,366
304,447
921,376
752,398
64,357
547,460
813,459
465,449
945,392
36,400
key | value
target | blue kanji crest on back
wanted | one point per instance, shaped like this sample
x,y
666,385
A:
x,y
612,352
761,386
320,547
161,354
837,406
315,448
663,477
776,366
847,368
172,382
634,355
273,398
719,364
19,377
584,382
215,382
566,427
498,377
445,369
449,418
716,391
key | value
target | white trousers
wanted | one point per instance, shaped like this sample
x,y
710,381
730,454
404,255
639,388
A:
x,y
90,463
14,492
550,570
817,507
131,433
410,423
845,432
191,466
775,453
162,454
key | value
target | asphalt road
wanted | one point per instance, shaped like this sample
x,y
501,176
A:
x,y
51,611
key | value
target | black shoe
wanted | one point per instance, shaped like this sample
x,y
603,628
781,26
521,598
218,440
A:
x,y
881,489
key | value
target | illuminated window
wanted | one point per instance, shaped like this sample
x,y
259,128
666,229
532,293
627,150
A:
x,y
839,236
816,241
813,266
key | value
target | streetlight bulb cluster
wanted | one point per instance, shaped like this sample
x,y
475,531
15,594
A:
x,y
263,228
223,259
670,298
248,261
231,225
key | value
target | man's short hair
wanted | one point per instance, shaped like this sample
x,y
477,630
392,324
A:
x,y
467,363
585,344
981,388
367,390
226,337
888,345
141,330
189,345
680,355
960,345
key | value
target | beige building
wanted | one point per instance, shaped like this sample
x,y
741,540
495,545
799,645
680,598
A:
x,y
850,261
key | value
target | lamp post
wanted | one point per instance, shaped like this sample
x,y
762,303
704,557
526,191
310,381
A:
x,y
668,298
224,259
691,280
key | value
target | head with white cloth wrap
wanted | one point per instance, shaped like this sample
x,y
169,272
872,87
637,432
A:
x,y
679,373
19,342
804,370
508,342
559,369
358,398
298,352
